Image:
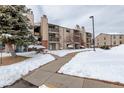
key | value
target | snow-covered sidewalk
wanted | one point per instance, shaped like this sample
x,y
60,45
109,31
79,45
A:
x,y
9,74
102,64
62,53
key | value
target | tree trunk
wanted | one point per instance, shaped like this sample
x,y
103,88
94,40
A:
x,y
10,48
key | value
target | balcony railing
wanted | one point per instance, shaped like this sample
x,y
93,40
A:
x,y
76,33
53,30
88,40
76,39
54,39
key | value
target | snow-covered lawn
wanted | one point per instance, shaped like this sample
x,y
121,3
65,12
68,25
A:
x,y
62,53
102,64
26,54
9,74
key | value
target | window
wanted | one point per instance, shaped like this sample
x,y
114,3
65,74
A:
x,y
88,34
51,26
104,38
114,42
114,37
104,43
68,31
120,42
120,37
56,27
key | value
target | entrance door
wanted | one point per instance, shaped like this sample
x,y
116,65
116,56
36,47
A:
x,y
52,46
77,46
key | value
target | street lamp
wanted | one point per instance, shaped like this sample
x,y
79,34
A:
x,y
92,17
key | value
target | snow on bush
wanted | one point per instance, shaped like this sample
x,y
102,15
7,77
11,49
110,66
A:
x,y
7,35
36,46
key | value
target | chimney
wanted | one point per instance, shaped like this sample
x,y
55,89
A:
x,y
44,30
83,27
77,27
44,16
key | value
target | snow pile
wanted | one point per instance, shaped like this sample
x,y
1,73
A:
x,y
102,64
36,46
62,53
26,54
31,46
5,54
9,74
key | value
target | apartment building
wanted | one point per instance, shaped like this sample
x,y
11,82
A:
x,y
110,39
56,37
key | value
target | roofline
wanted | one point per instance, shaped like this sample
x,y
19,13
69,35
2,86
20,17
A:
x,y
100,34
109,34
38,24
63,26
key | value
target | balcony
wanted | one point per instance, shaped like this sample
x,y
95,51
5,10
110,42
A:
x,y
51,30
88,40
53,39
77,33
88,34
76,39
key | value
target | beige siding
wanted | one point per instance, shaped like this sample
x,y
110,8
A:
x,y
109,40
61,32
44,28
103,39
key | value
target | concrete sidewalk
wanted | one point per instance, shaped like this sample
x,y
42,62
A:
x,y
47,75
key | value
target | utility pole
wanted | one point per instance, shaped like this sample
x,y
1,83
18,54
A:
x,y
92,17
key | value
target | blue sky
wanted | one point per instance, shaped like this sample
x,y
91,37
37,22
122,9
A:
x,y
108,19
